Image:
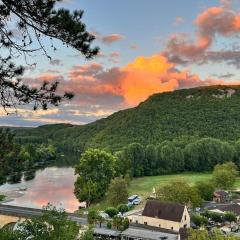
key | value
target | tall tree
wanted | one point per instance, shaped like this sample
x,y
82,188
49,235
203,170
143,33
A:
x,y
172,157
95,171
224,175
179,191
205,153
205,189
151,160
31,21
136,155
117,192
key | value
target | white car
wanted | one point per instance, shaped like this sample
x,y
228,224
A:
x,y
134,200
137,201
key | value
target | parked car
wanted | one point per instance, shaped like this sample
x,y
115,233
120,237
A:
x,y
134,200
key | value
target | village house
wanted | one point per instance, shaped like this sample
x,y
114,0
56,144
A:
x,y
221,196
223,208
169,216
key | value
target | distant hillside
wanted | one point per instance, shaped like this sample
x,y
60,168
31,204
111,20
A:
x,y
198,112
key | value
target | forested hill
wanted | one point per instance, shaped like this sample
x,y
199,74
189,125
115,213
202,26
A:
x,y
180,116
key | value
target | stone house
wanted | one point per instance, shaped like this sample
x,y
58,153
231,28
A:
x,y
169,216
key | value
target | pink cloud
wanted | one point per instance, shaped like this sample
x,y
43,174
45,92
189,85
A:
x,y
108,39
221,20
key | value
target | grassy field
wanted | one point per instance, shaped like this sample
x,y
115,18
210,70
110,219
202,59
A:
x,y
144,186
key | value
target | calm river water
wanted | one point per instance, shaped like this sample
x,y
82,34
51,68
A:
x,y
52,185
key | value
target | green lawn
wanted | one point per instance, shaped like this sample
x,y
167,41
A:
x,y
144,186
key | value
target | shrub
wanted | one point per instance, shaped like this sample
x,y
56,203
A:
x,y
125,223
216,217
122,208
109,225
199,220
230,217
111,211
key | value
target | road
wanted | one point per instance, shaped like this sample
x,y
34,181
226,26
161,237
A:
x,y
32,212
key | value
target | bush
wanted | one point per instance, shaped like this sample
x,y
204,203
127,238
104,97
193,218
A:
x,y
111,211
125,223
216,217
109,225
230,217
199,220
122,208
2,197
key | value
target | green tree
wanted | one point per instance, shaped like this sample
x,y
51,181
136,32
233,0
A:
x,y
205,189
118,222
237,153
117,192
179,191
111,211
172,157
95,171
151,160
199,220
205,153
125,223
230,217
92,216
12,155
135,154
224,175
122,208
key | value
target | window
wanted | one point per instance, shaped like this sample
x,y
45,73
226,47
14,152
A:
x,y
185,217
136,221
145,223
159,225
172,228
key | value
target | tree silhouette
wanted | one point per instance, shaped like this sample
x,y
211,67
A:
x,y
35,20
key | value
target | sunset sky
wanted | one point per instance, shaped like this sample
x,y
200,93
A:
x,y
147,46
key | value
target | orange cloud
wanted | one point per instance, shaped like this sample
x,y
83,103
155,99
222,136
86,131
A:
x,y
142,78
133,83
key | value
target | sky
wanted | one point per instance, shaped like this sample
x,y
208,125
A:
x,y
146,47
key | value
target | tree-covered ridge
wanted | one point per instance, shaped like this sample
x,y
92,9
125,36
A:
x,y
180,115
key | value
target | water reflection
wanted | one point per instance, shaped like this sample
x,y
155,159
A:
x,y
52,185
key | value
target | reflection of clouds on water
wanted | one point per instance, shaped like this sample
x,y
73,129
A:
x,y
51,185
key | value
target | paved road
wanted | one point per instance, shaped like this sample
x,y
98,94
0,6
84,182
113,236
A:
x,y
32,212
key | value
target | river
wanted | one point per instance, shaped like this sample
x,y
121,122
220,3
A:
x,y
52,185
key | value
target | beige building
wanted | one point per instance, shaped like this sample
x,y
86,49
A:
x,y
169,216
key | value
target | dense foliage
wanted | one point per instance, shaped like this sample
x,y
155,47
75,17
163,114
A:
x,y
182,116
16,158
185,130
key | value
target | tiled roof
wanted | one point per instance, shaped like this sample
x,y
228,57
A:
x,y
166,211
